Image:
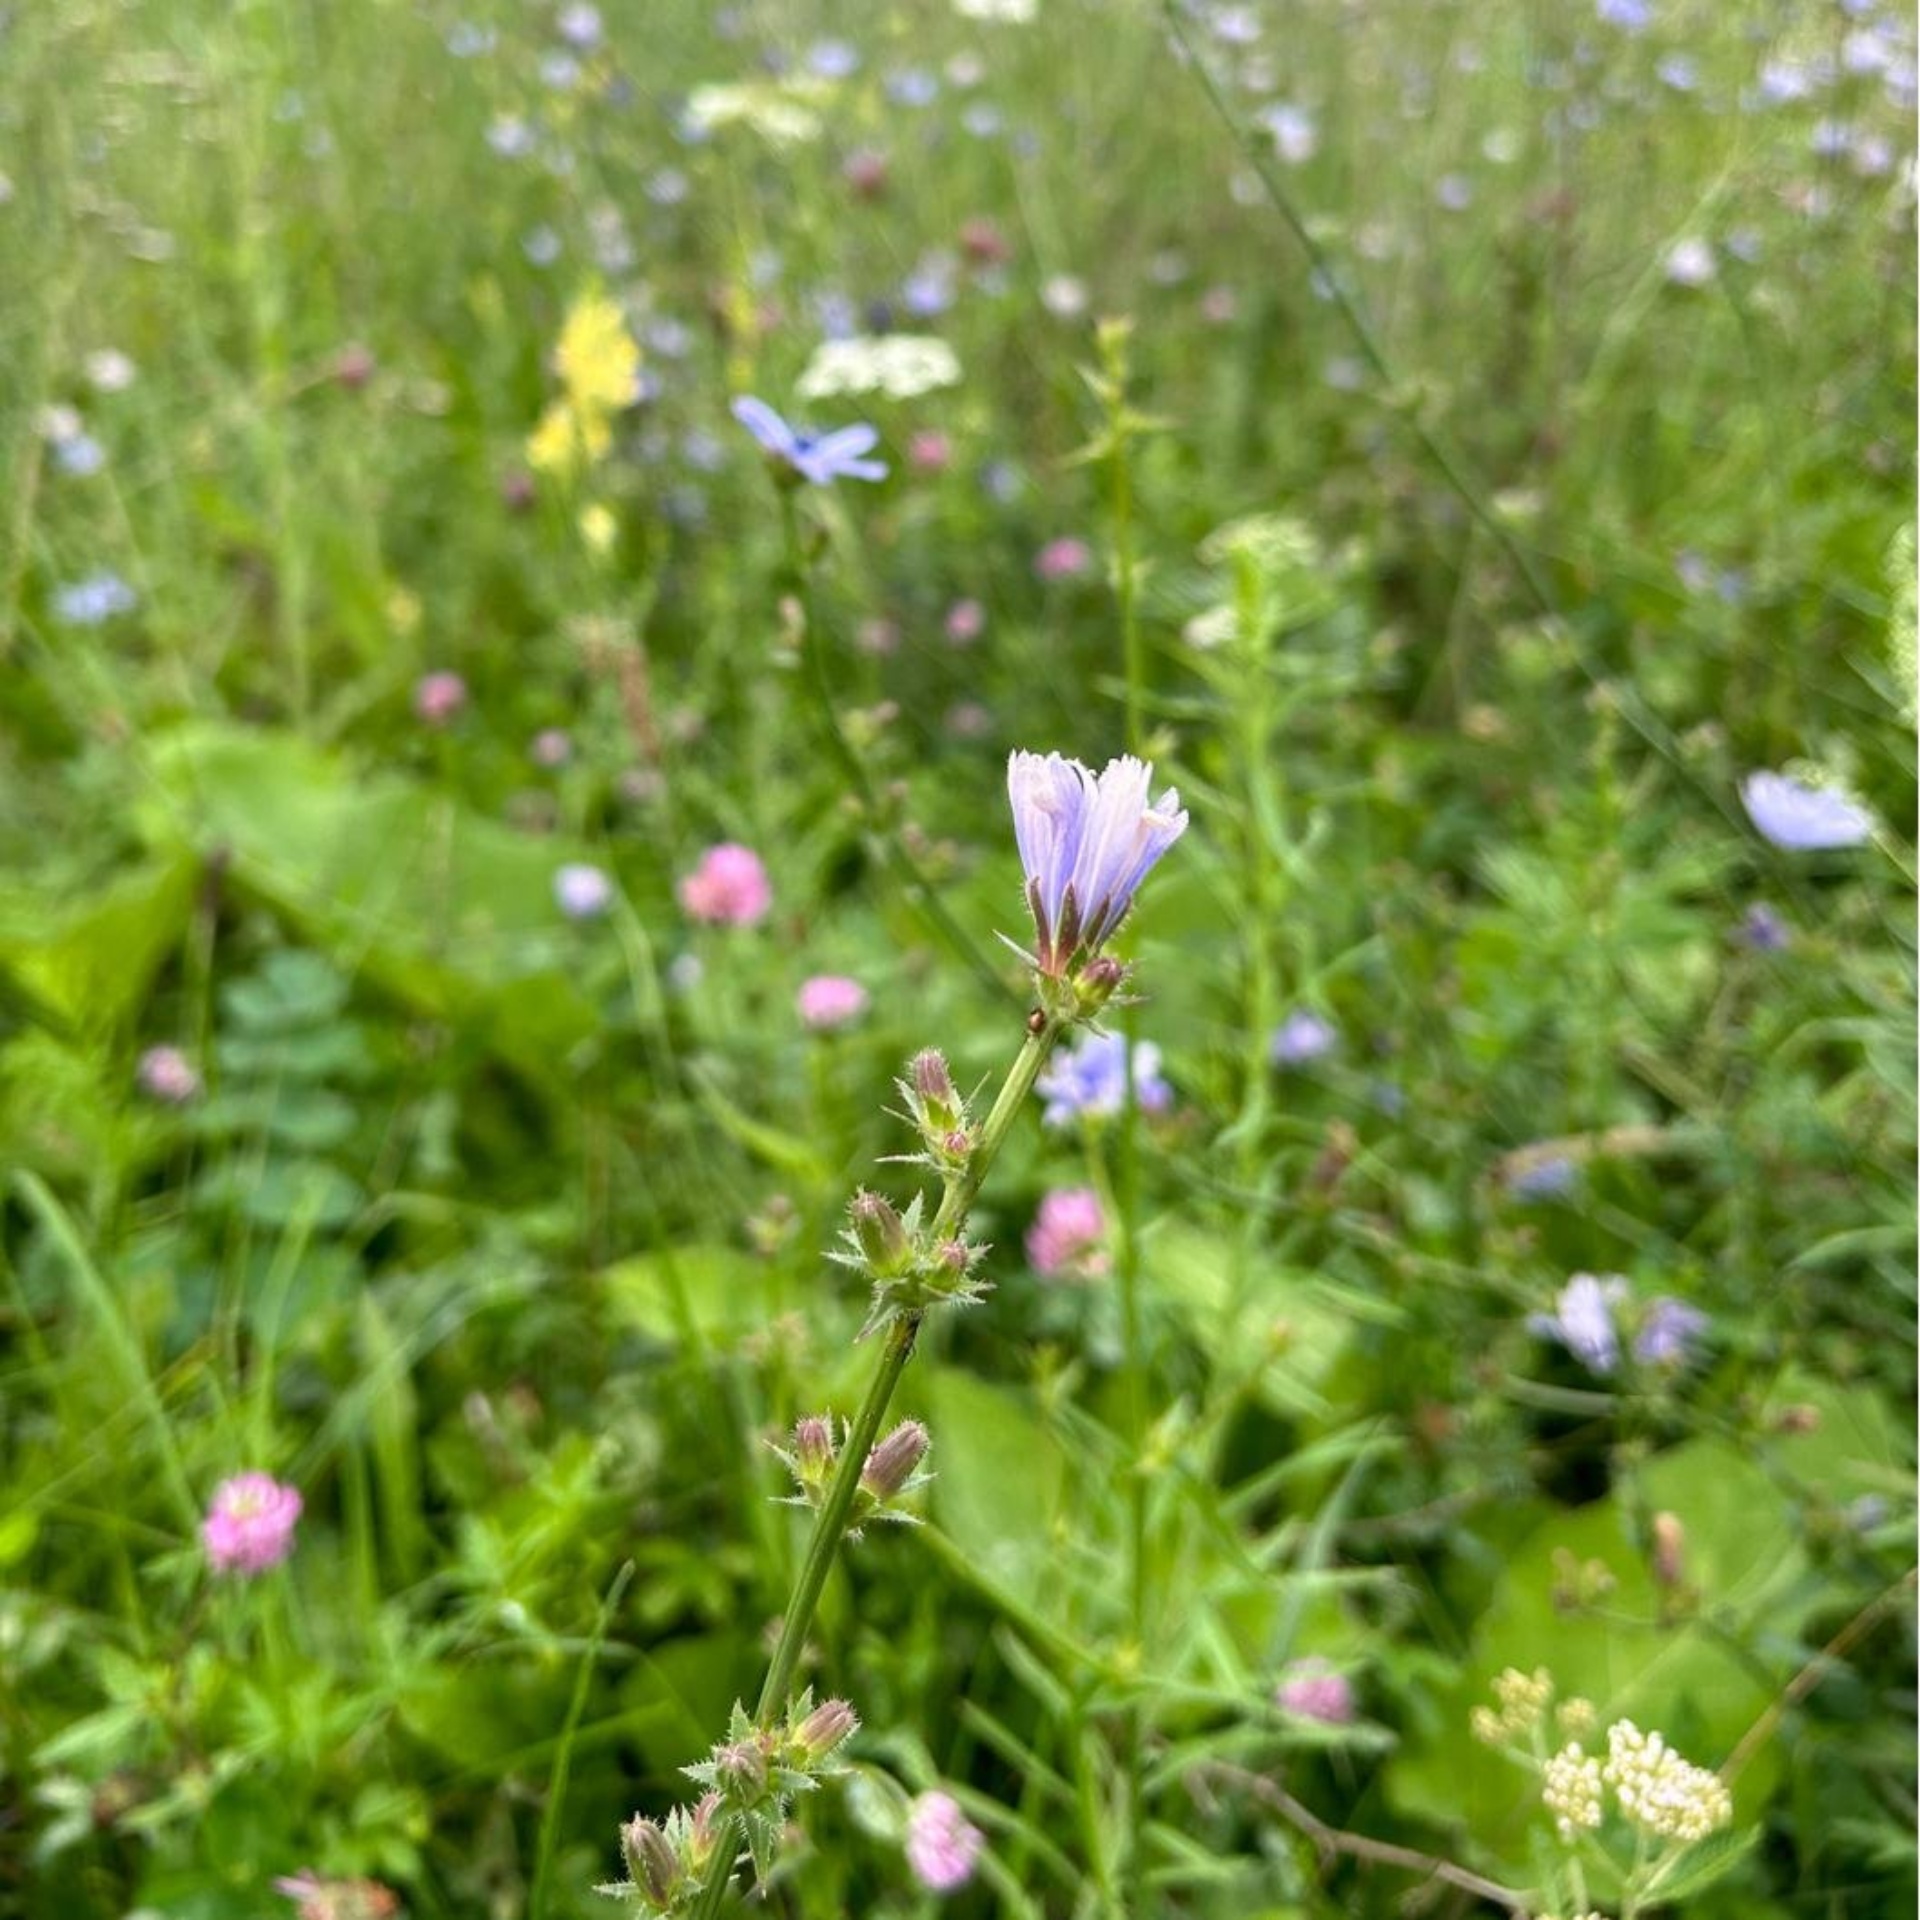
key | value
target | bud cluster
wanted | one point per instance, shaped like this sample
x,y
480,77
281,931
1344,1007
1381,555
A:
x,y
1659,1792
938,1114
1523,1698
911,1271
751,1776
892,1470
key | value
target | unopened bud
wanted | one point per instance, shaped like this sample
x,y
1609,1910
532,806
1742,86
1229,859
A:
x,y
891,1464
812,1446
881,1234
1096,982
824,1728
651,1861
742,1765
701,1832
931,1079
957,1144
1669,1549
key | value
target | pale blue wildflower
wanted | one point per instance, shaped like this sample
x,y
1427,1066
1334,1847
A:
x,y
1301,1038
1086,842
1802,818
819,459
1582,1320
97,598
1090,1079
1668,1333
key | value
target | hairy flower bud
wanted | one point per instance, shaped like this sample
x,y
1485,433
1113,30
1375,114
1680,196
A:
x,y
651,1860
881,1235
742,1769
931,1079
824,1728
813,1447
893,1462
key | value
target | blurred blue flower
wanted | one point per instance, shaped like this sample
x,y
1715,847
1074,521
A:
x,y
1803,818
833,59
912,87
1302,1038
819,459
1634,16
1667,1334
1090,1079
1764,931
99,597
1552,1177
80,455
1582,1321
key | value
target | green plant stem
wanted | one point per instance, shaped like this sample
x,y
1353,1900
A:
x,y
829,1527
913,882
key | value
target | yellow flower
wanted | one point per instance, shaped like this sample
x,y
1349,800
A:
x,y
597,360
598,527
567,439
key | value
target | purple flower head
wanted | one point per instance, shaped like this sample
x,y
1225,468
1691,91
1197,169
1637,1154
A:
x,y
1764,931
1801,818
1668,1333
1300,1039
249,1526
942,1843
818,458
1583,1321
1090,1078
1086,842
1314,1691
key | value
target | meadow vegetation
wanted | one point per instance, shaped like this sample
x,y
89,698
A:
x,y
503,783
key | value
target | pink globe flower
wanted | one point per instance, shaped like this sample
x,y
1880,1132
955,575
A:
x,y
966,622
728,888
1311,1689
438,698
929,451
830,1000
1064,559
167,1075
942,1843
1066,1240
249,1526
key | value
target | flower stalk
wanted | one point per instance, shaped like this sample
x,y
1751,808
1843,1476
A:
x,y
961,1187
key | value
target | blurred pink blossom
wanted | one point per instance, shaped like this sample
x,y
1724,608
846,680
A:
x,y
728,888
830,1000
1311,1689
1064,559
438,697
249,1526
1066,1239
942,1843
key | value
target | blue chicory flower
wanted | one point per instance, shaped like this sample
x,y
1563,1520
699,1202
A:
x,y
1668,1333
1301,1039
819,459
1549,1177
1583,1320
97,598
1090,1079
1086,842
1764,931
1803,818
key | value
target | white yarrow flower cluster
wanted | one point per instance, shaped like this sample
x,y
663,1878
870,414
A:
x,y
1571,1790
901,365
1661,1793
